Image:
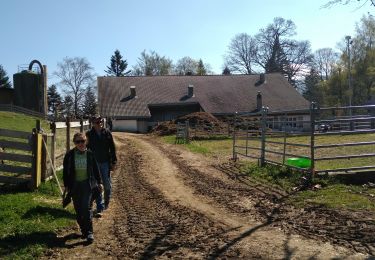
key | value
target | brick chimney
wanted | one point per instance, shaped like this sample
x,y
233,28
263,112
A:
x,y
132,91
262,78
191,91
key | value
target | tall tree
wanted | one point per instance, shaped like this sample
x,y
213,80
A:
x,y
345,2
118,66
324,61
226,71
153,64
68,106
89,106
75,75
54,101
276,51
201,70
277,60
312,91
241,53
362,73
4,79
186,66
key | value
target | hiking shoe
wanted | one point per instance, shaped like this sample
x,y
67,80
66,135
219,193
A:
x,y
90,238
98,214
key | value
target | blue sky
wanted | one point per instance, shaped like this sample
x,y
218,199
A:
x,y
49,30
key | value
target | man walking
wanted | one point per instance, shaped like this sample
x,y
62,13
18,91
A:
x,y
100,141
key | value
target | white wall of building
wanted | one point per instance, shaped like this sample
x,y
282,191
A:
x,y
125,125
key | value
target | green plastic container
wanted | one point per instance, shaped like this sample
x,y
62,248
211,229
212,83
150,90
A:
x,y
299,162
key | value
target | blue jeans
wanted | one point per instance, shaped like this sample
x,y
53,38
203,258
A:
x,y
81,195
106,178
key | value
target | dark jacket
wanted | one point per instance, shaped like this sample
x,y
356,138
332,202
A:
x,y
103,146
69,172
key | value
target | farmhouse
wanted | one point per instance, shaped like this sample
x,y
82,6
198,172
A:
x,y
137,103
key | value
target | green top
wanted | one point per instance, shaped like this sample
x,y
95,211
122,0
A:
x,y
80,160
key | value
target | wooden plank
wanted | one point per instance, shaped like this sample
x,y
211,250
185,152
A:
x,y
15,169
14,133
13,180
36,176
15,145
16,157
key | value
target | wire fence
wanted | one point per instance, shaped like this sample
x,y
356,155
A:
x,y
318,140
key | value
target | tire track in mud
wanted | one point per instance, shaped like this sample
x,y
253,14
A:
x,y
352,230
148,226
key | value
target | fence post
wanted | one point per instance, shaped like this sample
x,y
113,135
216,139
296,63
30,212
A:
x,y
234,156
284,128
247,135
44,158
312,139
53,144
372,114
263,136
187,131
81,125
37,152
67,122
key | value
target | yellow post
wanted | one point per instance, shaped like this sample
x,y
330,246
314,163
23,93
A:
x,y
37,176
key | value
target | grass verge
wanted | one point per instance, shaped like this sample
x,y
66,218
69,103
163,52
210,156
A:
x,y
334,192
29,220
20,122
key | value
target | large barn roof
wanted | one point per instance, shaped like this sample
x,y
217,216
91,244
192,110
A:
x,y
216,94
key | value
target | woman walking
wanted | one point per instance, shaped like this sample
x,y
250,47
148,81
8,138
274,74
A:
x,y
82,179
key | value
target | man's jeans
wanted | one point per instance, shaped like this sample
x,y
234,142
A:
x,y
106,178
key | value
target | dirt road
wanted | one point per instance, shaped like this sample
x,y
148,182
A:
x,y
169,203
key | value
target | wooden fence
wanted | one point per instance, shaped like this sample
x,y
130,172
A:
x,y
31,157
20,157
60,140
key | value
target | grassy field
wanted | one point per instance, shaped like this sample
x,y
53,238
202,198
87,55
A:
x,y
334,193
28,221
20,122
224,148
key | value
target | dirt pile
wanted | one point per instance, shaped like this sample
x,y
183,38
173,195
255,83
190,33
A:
x,y
165,128
201,120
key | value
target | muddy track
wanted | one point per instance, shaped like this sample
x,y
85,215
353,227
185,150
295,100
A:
x,y
172,204
350,229
149,226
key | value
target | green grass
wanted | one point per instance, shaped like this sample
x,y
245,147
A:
x,y
29,220
215,147
20,122
337,196
333,193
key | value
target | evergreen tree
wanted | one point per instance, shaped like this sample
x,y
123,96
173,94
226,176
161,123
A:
x,y
278,60
54,101
201,70
90,105
312,92
68,106
118,66
4,79
226,71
